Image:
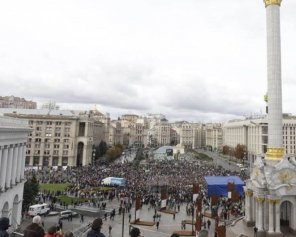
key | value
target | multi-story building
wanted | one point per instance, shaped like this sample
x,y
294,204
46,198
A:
x,y
191,135
134,131
130,117
115,133
199,133
253,134
162,132
60,137
16,102
13,139
214,136
106,121
175,137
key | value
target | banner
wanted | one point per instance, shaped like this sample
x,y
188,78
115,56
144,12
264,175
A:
x,y
138,208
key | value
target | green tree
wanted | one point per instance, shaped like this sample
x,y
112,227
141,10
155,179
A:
x,y
226,150
114,152
101,149
31,189
239,151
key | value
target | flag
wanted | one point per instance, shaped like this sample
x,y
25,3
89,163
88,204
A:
x,y
230,189
163,197
138,208
195,191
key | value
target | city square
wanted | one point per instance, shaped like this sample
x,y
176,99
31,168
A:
x,y
182,153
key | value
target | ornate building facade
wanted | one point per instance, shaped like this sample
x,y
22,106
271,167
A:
x,y
13,139
271,190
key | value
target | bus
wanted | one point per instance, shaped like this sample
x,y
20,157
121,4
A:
x,y
114,181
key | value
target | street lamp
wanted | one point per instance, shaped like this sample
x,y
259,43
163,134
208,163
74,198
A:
x,y
93,155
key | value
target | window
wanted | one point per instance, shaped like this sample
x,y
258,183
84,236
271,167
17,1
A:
x,y
28,152
48,134
58,123
66,140
56,152
57,140
48,128
65,152
55,161
49,123
45,161
67,135
64,161
31,122
39,128
37,145
46,152
57,134
37,139
36,160
58,129
81,129
38,134
47,146
66,146
67,123
67,129
37,152
57,146
39,122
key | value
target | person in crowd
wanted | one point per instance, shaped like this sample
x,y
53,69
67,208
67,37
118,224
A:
x,y
34,230
51,231
135,232
209,223
59,232
96,229
69,234
37,219
110,229
4,225
175,235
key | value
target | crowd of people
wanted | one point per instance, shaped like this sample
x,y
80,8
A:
x,y
145,181
177,175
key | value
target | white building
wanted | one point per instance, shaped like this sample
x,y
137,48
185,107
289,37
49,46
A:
x,y
163,132
253,134
13,138
214,137
271,191
59,137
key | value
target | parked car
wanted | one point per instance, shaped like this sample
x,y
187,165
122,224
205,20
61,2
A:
x,y
39,209
67,213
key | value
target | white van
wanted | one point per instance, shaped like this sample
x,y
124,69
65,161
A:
x,y
38,209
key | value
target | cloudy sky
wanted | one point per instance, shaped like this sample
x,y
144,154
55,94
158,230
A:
x,y
195,60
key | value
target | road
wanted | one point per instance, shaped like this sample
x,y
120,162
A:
x,y
219,161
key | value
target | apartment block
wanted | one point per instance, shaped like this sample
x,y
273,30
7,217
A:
x,y
60,137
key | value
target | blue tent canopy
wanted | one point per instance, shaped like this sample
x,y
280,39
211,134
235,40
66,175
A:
x,y
217,185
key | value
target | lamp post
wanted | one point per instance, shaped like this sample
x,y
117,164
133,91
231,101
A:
x,y
93,156
245,153
192,219
123,212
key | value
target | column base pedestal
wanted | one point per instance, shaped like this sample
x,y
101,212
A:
x,y
274,234
250,223
293,231
261,233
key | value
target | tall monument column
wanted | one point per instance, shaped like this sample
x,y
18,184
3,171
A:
x,y
275,150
